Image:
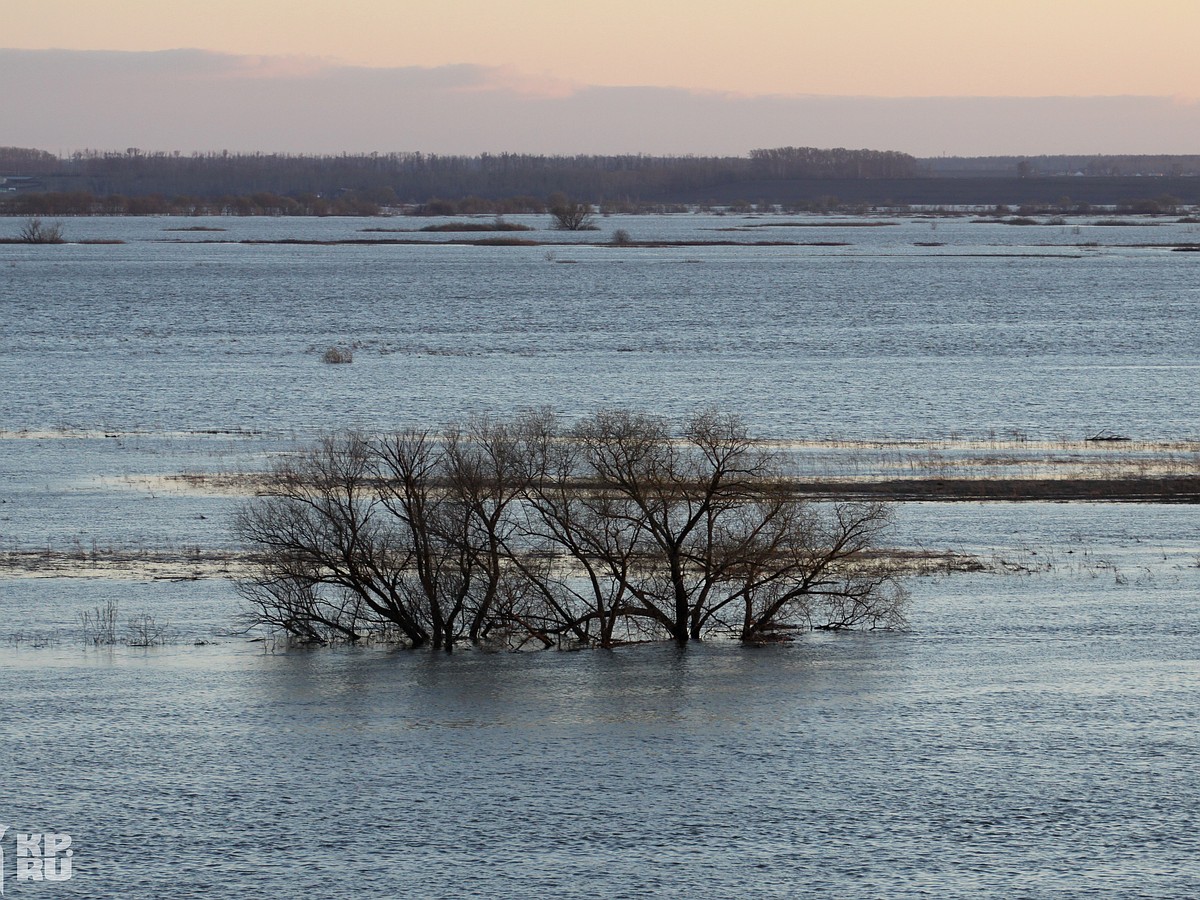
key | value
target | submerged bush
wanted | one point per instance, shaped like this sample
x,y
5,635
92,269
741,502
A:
x,y
145,630
571,215
99,624
99,628
338,356
35,231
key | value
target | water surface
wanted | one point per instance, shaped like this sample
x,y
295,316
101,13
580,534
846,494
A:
x,y
1032,735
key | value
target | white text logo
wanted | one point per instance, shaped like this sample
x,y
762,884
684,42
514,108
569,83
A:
x,y
40,856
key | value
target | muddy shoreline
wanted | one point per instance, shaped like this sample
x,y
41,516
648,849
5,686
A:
x,y
1100,490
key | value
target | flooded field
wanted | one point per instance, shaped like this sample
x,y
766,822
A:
x,y
1030,734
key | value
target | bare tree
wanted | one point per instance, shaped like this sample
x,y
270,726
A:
x,y
35,231
670,494
327,553
409,466
579,553
808,566
511,531
485,472
571,215
677,531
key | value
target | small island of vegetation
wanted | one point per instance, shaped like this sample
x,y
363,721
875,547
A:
x,y
524,532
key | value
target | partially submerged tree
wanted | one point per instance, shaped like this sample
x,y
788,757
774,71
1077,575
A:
x,y
509,531
35,231
571,215
693,524
332,561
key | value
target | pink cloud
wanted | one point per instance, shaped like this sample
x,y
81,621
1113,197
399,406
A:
x,y
193,100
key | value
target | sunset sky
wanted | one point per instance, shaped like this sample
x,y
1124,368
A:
x,y
654,72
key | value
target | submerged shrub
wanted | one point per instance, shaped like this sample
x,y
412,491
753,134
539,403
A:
x,y
99,624
35,231
571,215
338,356
145,630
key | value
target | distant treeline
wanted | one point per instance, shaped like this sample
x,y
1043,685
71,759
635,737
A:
x,y
264,203
33,182
413,178
1171,166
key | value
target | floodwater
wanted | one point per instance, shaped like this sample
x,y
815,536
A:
x,y
1032,735
1000,329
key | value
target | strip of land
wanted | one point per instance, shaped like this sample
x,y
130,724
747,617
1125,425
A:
x,y
1115,489
143,564
1109,490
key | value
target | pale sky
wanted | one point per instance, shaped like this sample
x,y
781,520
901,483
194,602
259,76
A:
x,y
889,48
542,59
